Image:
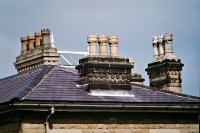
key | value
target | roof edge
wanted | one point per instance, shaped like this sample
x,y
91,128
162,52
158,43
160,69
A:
x,y
166,91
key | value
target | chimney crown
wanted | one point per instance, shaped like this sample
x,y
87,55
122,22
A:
x,y
113,39
92,38
24,38
31,37
103,38
38,34
155,40
167,36
45,31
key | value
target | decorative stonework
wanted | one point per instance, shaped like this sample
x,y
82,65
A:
x,y
105,72
165,71
136,78
36,51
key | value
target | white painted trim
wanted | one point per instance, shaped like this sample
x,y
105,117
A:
x,y
117,93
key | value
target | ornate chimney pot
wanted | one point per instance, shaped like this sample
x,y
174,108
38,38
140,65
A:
x,y
167,38
31,41
46,37
92,43
24,45
38,39
113,43
103,42
161,47
155,47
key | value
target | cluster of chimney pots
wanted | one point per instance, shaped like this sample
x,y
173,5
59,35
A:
x,y
163,48
30,42
103,41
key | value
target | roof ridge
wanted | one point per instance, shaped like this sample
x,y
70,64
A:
x,y
68,70
47,69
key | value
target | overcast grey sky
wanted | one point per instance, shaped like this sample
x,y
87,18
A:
x,y
134,21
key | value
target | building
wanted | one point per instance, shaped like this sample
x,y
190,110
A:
x,y
100,96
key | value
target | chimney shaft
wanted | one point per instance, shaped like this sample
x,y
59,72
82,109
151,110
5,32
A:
x,y
31,41
165,72
24,45
113,43
92,43
103,42
46,38
33,55
38,39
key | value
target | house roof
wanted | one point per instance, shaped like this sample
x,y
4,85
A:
x,y
53,83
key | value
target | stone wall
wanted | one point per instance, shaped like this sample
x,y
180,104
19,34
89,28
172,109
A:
x,y
112,123
112,128
104,122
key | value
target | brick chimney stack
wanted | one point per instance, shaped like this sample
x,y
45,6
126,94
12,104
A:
x,y
36,51
102,71
165,71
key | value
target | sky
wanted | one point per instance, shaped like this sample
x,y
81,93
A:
x,y
134,21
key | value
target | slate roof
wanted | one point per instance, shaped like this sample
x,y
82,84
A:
x,y
53,83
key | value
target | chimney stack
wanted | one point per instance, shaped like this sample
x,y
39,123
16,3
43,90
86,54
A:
x,y
36,51
104,72
165,72
92,43
113,43
103,42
